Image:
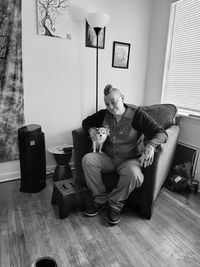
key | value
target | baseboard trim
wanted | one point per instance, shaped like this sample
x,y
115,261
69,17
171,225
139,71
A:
x,y
9,176
12,176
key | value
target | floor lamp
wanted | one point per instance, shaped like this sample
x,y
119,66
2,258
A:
x,y
97,21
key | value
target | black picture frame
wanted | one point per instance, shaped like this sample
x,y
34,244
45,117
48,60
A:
x,y
91,38
121,53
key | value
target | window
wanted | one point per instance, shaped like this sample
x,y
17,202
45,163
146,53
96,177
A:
x,y
181,80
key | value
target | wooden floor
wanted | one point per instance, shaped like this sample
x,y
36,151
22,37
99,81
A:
x,y
30,228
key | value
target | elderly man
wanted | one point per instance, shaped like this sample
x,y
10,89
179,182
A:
x,y
122,152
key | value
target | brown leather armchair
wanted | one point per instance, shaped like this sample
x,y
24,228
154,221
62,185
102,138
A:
x,y
142,198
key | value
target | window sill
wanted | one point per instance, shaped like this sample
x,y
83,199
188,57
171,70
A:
x,y
188,114
189,117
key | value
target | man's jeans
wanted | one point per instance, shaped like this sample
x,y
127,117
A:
x,y
130,177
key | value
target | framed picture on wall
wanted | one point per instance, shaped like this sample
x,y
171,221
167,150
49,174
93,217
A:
x,y
53,18
91,38
121,52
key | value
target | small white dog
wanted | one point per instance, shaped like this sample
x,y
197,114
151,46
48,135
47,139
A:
x,y
98,136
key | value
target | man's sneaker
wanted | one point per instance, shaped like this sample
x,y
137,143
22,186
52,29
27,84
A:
x,y
114,216
94,209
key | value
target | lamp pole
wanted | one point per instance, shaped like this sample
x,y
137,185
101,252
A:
x,y
97,31
97,21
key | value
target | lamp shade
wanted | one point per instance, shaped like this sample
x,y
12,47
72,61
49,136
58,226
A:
x,y
97,20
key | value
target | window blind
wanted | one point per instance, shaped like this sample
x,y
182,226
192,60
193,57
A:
x,y
181,80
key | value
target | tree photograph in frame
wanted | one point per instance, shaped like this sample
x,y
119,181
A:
x,y
91,38
120,58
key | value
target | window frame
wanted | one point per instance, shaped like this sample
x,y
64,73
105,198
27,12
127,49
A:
x,y
166,75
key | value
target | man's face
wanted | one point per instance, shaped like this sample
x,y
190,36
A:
x,y
114,103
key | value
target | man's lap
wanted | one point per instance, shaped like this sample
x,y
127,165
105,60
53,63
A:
x,y
108,164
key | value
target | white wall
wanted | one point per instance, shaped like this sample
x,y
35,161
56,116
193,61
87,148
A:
x,y
156,52
190,127
59,75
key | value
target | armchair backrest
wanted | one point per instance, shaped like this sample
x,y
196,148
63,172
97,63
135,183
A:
x,y
163,114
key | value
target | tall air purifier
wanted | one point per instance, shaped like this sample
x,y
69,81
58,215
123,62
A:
x,y
32,158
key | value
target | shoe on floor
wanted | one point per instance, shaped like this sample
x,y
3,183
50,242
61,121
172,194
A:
x,y
114,216
94,209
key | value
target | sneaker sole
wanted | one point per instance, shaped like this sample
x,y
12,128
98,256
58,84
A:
x,y
93,214
114,222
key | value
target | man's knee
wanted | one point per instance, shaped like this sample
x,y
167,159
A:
x,y
132,174
137,175
86,159
90,160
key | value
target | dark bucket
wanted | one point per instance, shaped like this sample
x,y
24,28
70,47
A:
x,y
45,262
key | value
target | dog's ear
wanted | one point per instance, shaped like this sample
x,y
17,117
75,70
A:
x,y
92,131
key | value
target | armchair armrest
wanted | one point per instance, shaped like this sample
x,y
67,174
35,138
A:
x,y
81,144
165,158
156,174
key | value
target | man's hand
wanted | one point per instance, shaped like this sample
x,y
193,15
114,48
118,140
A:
x,y
147,156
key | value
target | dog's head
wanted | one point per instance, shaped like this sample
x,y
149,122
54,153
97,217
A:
x,y
102,133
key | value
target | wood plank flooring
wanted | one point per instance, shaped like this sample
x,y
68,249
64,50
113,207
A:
x,y
30,228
